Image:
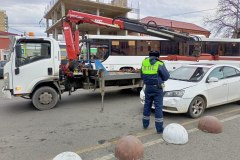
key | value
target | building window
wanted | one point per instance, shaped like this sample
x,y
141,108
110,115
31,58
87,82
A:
x,y
149,48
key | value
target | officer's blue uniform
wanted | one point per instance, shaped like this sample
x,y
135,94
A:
x,y
153,73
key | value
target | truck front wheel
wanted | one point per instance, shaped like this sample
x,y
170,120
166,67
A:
x,y
45,98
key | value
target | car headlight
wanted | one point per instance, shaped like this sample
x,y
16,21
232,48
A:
x,y
178,93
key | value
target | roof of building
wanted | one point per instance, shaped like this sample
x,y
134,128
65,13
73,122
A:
x,y
173,23
2,33
5,42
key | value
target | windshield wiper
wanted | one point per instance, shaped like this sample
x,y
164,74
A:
x,y
173,78
180,79
184,80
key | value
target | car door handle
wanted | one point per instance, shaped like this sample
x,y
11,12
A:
x,y
224,84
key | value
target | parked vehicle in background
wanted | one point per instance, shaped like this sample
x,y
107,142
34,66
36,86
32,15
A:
x,y
127,52
194,87
2,63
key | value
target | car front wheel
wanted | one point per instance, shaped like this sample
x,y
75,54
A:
x,y
196,107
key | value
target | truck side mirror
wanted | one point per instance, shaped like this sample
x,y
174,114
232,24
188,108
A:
x,y
18,50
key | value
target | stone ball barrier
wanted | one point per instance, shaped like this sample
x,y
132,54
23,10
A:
x,y
129,148
210,124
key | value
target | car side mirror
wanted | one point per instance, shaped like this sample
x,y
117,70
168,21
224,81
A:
x,y
18,50
212,79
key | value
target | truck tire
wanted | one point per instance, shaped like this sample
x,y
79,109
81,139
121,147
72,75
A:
x,y
45,98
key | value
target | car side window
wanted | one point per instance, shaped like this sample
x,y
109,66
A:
x,y
230,72
217,72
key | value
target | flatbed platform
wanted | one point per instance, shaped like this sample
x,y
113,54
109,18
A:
x,y
114,75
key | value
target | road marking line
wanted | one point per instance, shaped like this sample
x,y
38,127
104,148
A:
x,y
107,144
143,134
192,130
153,142
230,118
216,115
99,146
110,156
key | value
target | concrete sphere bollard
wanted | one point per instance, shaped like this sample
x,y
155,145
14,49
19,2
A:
x,y
129,148
210,124
175,134
67,156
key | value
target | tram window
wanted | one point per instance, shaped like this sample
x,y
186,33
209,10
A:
x,y
123,48
212,48
232,49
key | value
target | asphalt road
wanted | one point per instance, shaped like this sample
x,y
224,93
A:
x,y
77,125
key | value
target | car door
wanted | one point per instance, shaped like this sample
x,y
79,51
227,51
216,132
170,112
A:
x,y
233,77
217,92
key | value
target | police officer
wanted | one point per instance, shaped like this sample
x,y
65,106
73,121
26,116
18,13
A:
x,y
153,73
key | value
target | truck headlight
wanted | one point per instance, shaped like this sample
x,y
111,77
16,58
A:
x,y
6,76
178,93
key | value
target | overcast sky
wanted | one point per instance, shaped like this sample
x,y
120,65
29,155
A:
x,y
26,15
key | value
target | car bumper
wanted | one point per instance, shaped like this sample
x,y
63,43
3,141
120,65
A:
x,y
6,93
176,104
171,104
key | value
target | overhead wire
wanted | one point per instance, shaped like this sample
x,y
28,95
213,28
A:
x,y
179,14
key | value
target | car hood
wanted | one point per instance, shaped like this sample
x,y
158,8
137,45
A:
x,y
171,85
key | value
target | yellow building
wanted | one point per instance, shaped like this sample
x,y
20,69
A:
x,y
3,21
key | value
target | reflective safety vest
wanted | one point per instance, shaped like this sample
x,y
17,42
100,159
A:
x,y
149,69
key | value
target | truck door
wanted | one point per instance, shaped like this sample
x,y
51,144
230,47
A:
x,y
34,65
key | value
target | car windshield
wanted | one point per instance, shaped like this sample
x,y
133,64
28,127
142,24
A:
x,y
189,73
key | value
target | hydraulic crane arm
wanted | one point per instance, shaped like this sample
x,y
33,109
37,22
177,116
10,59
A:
x,y
151,28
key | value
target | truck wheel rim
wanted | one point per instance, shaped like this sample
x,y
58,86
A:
x,y
45,98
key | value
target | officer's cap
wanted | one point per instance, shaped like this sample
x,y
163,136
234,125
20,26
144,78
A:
x,y
154,54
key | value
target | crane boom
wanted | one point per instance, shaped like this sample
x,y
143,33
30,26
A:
x,y
151,28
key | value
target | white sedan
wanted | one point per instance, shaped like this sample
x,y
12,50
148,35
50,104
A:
x,y
193,88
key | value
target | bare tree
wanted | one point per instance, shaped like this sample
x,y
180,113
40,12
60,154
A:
x,y
226,22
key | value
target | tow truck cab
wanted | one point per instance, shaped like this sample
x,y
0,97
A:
x,y
34,62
